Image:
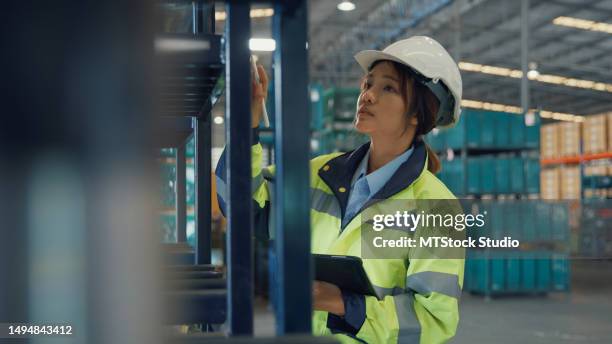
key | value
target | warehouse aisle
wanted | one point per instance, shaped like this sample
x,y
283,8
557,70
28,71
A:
x,y
581,316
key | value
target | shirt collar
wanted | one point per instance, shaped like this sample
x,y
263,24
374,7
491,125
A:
x,y
377,179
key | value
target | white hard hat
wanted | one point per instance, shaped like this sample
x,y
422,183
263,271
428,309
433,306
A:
x,y
432,64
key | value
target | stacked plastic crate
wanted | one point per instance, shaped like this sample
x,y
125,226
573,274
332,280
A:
x,y
333,113
492,159
539,265
167,163
490,154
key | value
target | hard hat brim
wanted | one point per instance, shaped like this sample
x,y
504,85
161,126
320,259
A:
x,y
366,58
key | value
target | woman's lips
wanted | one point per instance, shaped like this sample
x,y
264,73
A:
x,y
364,112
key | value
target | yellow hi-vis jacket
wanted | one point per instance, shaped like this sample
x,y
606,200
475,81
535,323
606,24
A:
x,y
417,298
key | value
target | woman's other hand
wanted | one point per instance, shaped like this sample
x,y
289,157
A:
x,y
327,297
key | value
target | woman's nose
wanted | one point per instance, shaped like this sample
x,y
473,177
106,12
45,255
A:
x,y
369,96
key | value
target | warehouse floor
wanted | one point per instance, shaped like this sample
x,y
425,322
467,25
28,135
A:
x,y
580,316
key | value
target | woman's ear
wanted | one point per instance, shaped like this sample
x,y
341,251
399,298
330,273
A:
x,y
413,120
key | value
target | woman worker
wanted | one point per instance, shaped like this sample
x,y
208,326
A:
x,y
409,88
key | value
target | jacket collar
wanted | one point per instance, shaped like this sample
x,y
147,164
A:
x,y
339,172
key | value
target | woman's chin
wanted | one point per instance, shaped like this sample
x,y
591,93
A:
x,y
364,128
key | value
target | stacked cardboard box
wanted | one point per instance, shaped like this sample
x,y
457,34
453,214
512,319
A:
x,y
549,141
571,182
549,183
569,139
595,134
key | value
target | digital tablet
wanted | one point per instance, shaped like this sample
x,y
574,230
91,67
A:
x,y
346,272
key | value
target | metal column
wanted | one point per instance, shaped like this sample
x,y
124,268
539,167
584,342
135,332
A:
x,y
239,207
181,199
292,202
524,55
202,135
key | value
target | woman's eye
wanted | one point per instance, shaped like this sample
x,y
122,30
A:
x,y
389,89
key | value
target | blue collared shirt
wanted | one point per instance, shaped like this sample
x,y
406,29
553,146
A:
x,y
364,186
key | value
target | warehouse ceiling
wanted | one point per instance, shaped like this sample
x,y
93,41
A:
x,y
575,65
478,32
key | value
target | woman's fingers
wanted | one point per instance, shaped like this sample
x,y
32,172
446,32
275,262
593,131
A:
x,y
263,77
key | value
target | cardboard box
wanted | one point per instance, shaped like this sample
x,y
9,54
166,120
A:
x,y
569,139
595,134
549,184
549,141
571,182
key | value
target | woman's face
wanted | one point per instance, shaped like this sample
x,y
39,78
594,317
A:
x,y
381,108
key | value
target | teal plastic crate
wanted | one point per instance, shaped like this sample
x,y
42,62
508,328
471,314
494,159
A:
x,y
502,176
561,272
317,107
513,272
473,175
487,129
542,220
497,223
559,215
528,223
436,140
532,175
517,131
472,119
528,273
453,175
514,220
487,175
454,138
502,122
517,175
510,272
543,272
532,134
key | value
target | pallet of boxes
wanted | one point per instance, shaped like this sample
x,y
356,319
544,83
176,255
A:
x,y
597,139
560,181
566,149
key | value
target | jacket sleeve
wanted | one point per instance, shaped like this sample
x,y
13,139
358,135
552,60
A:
x,y
260,188
425,311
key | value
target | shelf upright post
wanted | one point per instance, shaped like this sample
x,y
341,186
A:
x,y
238,150
292,195
203,143
181,199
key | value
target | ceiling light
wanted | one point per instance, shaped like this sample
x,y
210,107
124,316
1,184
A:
x,y
346,6
218,120
533,71
262,44
560,116
180,44
583,24
255,13
545,78
532,74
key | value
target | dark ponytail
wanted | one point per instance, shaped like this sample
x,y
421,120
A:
x,y
433,162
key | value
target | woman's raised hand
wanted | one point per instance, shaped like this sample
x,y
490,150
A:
x,y
259,94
